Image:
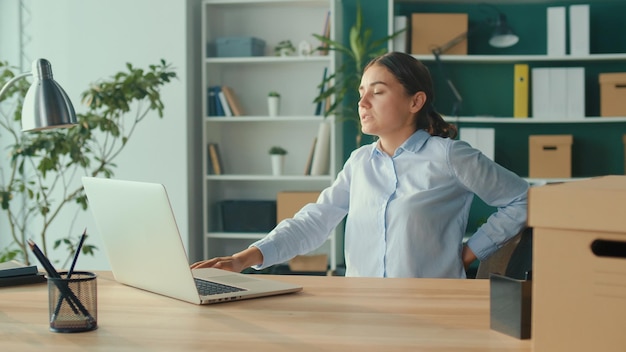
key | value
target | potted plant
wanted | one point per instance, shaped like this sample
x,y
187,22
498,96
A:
x,y
277,154
273,103
40,180
344,83
284,48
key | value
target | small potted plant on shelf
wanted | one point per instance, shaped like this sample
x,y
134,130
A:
x,y
284,48
277,154
273,103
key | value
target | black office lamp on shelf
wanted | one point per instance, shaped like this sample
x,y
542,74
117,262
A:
x,y
502,37
46,105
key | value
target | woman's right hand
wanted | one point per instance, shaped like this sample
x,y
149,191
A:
x,y
224,263
237,262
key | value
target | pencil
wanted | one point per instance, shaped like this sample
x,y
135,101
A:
x,y
65,290
80,245
43,260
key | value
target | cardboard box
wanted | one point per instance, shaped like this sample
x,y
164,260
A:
x,y
432,30
288,203
309,263
624,141
579,265
550,156
240,47
612,94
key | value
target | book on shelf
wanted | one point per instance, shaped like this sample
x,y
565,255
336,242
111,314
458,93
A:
x,y
211,108
321,155
309,160
579,29
520,90
556,31
400,41
558,92
224,102
215,104
216,166
233,102
480,138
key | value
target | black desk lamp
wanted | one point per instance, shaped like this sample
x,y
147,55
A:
x,y
502,37
46,105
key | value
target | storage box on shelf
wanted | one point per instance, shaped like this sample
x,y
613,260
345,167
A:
x,y
431,30
239,47
550,156
237,31
612,94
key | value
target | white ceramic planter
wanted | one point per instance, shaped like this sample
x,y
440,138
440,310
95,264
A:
x,y
273,105
278,163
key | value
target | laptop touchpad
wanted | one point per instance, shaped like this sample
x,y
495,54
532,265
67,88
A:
x,y
235,279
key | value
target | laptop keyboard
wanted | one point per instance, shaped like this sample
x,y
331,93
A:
x,y
206,288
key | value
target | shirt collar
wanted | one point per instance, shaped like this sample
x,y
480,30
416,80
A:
x,y
413,144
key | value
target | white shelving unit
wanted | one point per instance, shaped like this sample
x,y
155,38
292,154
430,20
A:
x,y
244,140
512,59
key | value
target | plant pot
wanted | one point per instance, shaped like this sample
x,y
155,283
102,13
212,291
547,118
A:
x,y
273,104
278,163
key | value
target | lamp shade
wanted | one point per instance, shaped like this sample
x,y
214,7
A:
x,y
503,36
46,105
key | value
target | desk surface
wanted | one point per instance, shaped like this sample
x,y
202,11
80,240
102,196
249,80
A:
x,y
331,313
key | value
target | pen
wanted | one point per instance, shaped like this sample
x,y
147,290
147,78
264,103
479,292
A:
x,y
80,245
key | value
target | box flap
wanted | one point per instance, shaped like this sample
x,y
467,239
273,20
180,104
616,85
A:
x,y
617,77
551,139
595,204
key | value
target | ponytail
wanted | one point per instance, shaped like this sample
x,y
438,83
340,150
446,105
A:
x,y
430,120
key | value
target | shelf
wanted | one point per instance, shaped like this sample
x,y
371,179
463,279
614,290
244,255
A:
x,y
235,119
545,181
520,58
480,119
267,59
244,140
237,235
282,178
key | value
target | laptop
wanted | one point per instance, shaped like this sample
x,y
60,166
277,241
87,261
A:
x,y
145,250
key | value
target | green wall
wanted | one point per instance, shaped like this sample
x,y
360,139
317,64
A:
x,y
487,88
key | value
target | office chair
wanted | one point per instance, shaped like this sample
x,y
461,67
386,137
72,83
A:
x,y
514,259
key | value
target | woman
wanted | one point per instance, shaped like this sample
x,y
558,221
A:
x,y
406,196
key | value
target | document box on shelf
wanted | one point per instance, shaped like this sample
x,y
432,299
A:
x,y
240,47
432,30
579,265
550,156
612,94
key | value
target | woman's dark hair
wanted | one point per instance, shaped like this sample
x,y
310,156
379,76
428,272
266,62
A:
x,y
415,77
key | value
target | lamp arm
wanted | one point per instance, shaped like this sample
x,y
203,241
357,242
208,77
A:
x,y
456,107
454,41
12,81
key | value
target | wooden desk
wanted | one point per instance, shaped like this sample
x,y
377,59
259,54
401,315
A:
x,y
331,313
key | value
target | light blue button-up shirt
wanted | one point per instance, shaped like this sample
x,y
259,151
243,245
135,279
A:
x,y
407,213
